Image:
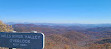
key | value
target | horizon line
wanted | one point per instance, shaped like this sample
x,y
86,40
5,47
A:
x,y
52,23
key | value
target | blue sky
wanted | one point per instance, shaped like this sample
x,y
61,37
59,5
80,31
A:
x,y
56,11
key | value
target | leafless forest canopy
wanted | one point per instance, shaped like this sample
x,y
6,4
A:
x,y
63,36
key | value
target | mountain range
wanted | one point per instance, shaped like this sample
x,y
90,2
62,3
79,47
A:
x,y
61,36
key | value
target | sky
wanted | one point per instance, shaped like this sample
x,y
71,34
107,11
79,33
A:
x,y
56,11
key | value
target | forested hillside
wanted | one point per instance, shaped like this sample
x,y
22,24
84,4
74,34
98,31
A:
x,y
67,37
5,28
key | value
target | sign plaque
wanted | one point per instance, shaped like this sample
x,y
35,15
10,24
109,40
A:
x,y
22,40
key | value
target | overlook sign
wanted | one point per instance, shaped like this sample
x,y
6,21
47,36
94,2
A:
x,y
22,40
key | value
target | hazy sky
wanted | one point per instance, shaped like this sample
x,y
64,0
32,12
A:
x,y
56,11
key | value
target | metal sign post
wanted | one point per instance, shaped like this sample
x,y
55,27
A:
x,y
12,48
22,40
